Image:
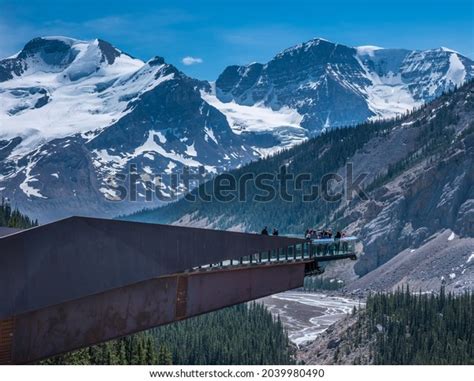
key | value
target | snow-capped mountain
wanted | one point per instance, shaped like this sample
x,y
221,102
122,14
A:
x,y
74,114
332,85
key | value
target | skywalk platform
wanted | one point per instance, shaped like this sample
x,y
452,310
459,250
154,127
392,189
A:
x,y
82,281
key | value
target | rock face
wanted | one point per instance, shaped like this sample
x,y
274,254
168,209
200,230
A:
x,y
428,199
75,114
442,259
337,346
334,85
417,227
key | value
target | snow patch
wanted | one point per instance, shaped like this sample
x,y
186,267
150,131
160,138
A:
x,y
191,151
456,72
161,137
210,134
170,167
444,49
29,178
471,257
284,124
387,96
109,194
255,118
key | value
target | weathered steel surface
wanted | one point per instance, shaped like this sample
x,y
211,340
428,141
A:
x,y
181,297
115,313
6,340
78,256
208,291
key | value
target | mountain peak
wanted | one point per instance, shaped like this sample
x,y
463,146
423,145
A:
x,y
54,50
318,40
74,58
307,45
447,50
109,52
67,40
51,50
157,60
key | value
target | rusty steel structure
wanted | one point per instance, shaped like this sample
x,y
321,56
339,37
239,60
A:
x,y
82,281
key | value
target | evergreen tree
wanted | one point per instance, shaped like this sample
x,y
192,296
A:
x,y
164,356
12,218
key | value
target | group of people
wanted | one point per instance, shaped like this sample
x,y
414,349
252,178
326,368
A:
x,y
265,231
322,234
311,233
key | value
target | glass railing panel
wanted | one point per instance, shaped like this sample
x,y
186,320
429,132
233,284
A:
x,y
299,251
273,256
306,250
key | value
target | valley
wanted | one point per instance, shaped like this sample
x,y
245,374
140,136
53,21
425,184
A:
x,y
305,315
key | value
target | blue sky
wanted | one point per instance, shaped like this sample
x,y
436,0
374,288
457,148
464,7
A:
x,y
220,33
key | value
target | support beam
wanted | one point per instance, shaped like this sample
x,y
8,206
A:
x,y
79,323
79,256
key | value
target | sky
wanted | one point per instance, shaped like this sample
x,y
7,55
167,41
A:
x,y
203,37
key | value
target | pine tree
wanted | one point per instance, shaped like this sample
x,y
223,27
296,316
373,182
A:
x,y
164,356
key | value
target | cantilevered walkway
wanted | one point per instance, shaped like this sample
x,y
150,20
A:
x,y
82,281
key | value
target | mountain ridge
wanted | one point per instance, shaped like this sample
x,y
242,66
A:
x,y
74,114
368,81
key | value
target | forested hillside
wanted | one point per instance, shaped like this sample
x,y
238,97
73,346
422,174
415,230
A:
x,y
429,136
239,335
401,328
12,218
421,329
316,157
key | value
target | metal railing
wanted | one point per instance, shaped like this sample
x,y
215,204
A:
x,y
316,249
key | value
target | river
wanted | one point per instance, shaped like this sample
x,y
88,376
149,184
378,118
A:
x,y
305,315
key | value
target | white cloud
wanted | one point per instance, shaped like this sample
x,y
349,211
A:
x,y
191,60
